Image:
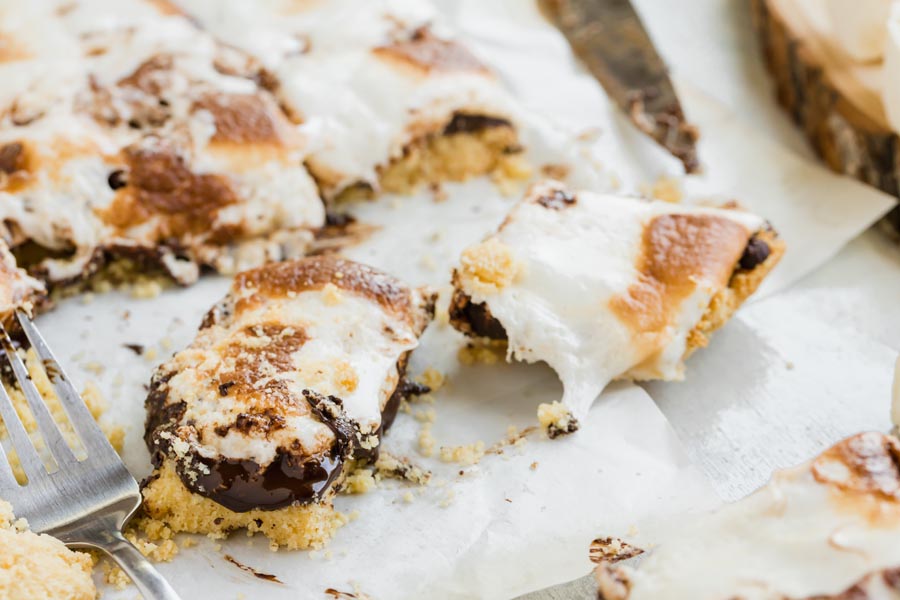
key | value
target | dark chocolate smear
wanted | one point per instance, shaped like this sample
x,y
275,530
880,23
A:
x,y
478,317
251,570
466,123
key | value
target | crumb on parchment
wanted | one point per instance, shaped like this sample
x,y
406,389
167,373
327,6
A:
x,y
465,455
432,378
556,419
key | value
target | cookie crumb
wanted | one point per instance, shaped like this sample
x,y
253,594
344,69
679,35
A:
x,y
465,455
556,419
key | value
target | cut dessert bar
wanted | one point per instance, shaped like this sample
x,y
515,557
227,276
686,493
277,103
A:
x,y
826,530
297,371
603,287
125,131
394,100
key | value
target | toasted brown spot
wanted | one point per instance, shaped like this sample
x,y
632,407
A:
x,y
866,463
11,50
149,77
678,250
16,166
259,353
315,272
427,52
866,588
160,184
165,7
13,158
243,118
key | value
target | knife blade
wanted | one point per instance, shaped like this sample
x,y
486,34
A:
x,y
609,37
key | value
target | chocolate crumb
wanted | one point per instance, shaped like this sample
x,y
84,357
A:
x,y
756,252
136,348
557,200
223,388
612,550
117,179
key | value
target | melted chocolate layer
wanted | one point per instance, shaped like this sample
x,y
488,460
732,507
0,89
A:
x,y
242,485
474,319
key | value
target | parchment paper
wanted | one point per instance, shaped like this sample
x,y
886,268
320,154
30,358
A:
x,y
502,527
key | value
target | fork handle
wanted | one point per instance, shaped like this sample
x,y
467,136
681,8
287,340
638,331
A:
x,y
141,571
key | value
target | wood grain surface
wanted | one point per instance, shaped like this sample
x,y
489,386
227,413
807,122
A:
x,y
835,100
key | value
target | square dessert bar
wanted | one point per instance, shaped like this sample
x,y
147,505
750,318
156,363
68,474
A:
x,y
826,530
602,287
300,369
392,99
127,132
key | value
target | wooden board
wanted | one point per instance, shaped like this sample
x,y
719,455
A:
x,y
836,100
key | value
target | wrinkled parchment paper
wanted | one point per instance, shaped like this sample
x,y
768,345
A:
x,y
523,519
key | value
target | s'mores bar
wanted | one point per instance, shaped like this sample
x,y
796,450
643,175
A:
x,y
394,100
300,369
603,287
127,132
826,530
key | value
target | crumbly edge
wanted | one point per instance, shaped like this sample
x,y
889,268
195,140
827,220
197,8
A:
x,y
39,566
435,158
741,286
294,527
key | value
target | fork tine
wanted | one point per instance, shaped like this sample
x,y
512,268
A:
x,y
7,478
92,437
28,456
53,437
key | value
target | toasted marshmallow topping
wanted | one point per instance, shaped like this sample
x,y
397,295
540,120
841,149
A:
x,y
366,78
600,286
144,135
827,530
297,357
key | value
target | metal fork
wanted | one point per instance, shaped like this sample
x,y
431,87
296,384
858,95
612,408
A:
x,y
86,502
